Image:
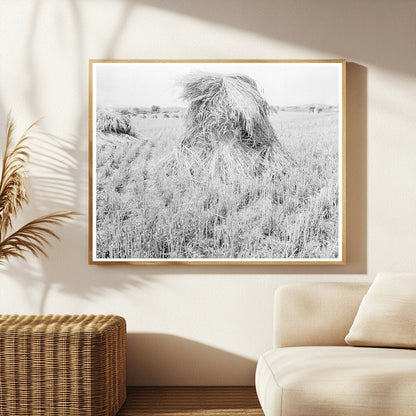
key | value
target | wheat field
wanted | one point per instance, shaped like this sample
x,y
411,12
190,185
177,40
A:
x,y
147,208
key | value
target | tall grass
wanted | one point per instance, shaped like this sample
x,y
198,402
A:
x,y
149,208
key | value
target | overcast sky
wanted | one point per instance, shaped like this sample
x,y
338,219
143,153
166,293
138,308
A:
x,y
146,84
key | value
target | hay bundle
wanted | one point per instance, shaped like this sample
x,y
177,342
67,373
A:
x,y
111,122
227,128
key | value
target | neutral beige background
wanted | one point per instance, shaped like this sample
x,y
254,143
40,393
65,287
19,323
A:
x,y
199,324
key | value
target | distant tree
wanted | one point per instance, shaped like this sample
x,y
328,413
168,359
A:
x,y
125,111
155,109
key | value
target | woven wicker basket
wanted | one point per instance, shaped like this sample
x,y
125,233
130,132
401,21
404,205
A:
x,y
52,365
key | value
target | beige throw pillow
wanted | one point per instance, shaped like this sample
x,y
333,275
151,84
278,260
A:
x,y
387,314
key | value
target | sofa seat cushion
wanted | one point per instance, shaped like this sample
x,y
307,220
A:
x,y
341,381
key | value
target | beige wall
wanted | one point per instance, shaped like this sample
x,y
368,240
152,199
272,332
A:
x,y
205,325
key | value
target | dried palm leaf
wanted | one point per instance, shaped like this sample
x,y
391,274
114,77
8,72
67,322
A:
x,y
12,182
33,237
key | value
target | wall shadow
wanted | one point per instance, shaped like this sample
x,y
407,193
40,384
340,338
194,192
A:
x,y
356,163
169,360
341,28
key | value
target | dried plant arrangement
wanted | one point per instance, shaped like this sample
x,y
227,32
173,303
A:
x,y
34,236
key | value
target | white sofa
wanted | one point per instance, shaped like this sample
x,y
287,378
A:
x,y
311,371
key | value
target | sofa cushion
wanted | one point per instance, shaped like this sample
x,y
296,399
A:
x,y
342,381
315,314
387,314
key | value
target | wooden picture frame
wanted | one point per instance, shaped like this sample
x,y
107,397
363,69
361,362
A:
x,y
217,162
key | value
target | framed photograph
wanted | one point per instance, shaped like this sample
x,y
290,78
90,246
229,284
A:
x,y
217,162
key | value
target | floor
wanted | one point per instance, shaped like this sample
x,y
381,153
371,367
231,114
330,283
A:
x,y
191,401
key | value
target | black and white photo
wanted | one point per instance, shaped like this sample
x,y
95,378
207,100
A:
x,y
217,162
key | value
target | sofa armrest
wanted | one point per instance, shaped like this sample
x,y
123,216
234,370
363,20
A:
x,y
309,314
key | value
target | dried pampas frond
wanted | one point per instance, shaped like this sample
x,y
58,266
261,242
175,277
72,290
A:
x,y
34,236
12,183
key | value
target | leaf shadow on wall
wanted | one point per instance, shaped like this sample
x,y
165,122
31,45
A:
x,y
60,183
164,359
53,186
